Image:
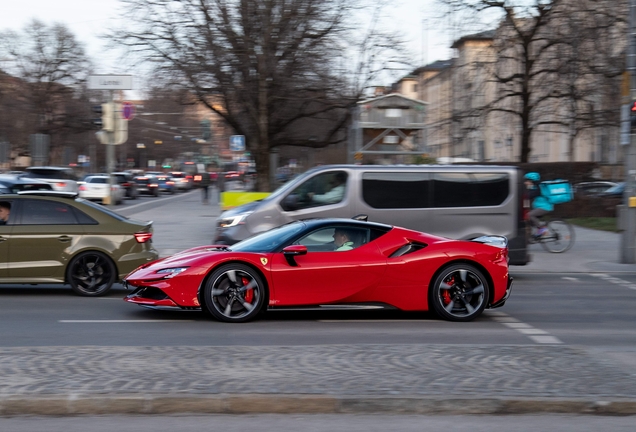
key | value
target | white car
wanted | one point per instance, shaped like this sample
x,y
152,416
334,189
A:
x,y
99,187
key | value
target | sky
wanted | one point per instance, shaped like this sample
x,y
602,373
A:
x,y
88,18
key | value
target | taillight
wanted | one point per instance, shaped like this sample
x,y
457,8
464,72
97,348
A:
x,y
60,184
170,183
143,237
83,188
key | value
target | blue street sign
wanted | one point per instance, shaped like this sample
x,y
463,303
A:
x,y
237,143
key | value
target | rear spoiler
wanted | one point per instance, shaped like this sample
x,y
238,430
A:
x,y
493,240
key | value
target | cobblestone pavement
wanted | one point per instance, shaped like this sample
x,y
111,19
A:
x,y
487,371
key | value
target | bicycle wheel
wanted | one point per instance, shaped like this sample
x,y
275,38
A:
x,y
559,238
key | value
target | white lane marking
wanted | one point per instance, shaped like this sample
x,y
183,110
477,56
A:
x,y
570,279
614,280
530,331
502,319
535,334
120,321
377,321
545,339
518,325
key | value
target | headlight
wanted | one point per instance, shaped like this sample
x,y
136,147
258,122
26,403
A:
x,y
233,220
172,272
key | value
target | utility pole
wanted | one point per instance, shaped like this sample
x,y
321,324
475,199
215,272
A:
x,y
628,217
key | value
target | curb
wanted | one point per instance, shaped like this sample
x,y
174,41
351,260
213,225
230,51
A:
x,y
69,405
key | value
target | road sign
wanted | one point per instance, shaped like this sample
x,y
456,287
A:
x,y
110,82
127,110
237,143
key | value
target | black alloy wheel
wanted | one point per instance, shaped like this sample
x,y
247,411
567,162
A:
x,y
91,274
234,293
459,293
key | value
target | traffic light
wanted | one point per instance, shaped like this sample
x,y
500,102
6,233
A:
x,y
97,119
632,115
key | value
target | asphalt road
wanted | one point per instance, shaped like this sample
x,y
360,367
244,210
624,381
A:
x,y
580,309
321,423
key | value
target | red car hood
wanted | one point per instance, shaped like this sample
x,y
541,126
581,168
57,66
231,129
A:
x,y
186,258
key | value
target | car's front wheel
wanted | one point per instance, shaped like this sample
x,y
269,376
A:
x,y
460,292
234,293
91,274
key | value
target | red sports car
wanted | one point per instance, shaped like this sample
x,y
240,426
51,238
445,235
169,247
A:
x,y
335,262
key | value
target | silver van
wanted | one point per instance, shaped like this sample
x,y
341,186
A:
x,y
455,201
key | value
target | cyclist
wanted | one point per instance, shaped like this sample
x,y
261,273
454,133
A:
x,y
540,204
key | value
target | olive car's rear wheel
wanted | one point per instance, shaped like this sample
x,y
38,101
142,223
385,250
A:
x,y
234,293
91,274
459,293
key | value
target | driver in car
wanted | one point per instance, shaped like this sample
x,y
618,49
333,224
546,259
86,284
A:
x,y
335,194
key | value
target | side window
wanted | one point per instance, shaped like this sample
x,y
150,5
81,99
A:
x,y
337,239
324,189
395,190
83,218
47,213
491,189
451,190
470,190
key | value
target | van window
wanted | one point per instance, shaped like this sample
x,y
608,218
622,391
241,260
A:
x,y
395,190
323,189
470,190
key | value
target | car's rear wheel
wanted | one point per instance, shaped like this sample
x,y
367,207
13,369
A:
x,y
234,293
460,292
91,274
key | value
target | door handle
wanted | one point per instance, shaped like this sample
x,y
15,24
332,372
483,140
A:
x,y
64,238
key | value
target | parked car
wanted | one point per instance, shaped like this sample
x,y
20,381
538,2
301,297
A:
x,y
125,180
166,184
182,181
592,188
100,188
383,265
12,183
615,191
57,237
61,178
147,185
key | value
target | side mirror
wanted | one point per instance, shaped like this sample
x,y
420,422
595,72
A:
x,y
292,251
290,202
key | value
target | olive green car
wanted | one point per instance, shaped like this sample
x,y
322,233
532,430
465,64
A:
x,y
56,237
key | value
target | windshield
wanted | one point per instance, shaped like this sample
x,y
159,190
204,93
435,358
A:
x,y
271,240
289,185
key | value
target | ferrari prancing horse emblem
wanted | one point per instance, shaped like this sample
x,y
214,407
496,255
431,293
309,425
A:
x,y
264,261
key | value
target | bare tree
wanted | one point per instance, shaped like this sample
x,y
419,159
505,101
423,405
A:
x,y
52,67
547,70
264,66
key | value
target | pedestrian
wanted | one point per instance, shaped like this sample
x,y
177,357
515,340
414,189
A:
x,y
205,184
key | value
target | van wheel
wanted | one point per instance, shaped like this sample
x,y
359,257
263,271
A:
x,y
460,292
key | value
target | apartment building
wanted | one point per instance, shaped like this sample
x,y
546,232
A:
x,y
469,116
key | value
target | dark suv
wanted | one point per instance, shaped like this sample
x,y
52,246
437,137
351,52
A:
x,y
147,185
127,182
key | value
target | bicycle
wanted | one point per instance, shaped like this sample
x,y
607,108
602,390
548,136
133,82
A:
x,y
558,238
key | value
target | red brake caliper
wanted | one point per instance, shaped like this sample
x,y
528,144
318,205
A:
x,y
446,294
249,294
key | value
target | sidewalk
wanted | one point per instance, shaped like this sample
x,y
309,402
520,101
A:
x,y
593,252
392,378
